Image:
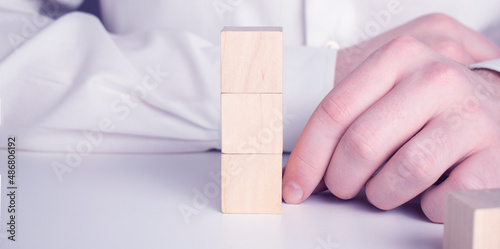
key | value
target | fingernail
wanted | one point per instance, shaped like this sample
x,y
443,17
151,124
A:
x,y
292,193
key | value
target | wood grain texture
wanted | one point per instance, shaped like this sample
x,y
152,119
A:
x,y
251,183
252,123
472,219
251,60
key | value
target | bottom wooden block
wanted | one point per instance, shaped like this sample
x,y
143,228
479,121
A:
x,y
472,219
251,183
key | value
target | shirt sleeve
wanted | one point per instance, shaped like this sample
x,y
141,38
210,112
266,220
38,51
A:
x,y
71,86
492,65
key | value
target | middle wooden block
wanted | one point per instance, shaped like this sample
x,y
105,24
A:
x,y
251,123
251,60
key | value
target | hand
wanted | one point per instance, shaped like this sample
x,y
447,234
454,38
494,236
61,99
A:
x,y
413,108
440,32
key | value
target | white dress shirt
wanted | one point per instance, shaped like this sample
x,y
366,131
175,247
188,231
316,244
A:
x,y
146,78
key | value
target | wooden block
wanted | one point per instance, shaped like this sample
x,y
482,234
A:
x,y
472,219
251,183
251,60
251,123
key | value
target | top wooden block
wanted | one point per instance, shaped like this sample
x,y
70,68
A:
x,y
251,60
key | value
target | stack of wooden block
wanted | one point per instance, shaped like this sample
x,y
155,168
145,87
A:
x,y
251,119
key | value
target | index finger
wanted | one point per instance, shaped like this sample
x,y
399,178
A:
x,y
357,92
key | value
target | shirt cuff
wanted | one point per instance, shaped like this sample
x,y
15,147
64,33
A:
x,y
308,76
492,65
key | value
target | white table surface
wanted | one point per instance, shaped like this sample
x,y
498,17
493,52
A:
x,y
132,201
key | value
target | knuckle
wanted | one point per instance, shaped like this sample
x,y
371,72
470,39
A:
x,y
440,20
442,73
448,47
401,47
362,141
335,110
416,166
452,50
